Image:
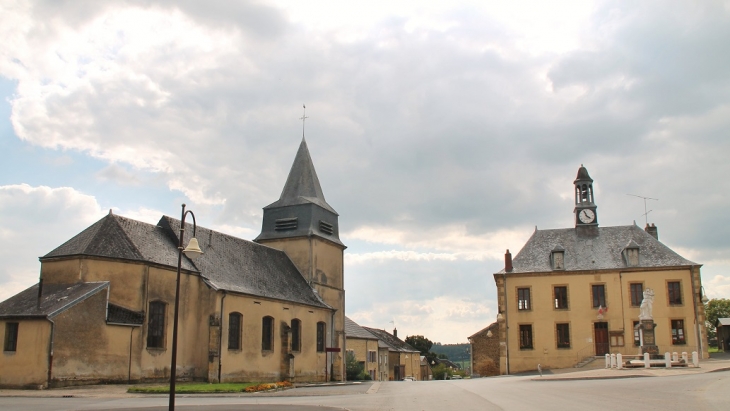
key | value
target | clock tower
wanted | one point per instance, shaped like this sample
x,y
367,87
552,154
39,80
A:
x,y
586,218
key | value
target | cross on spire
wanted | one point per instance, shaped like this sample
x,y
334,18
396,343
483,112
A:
x,y
303,118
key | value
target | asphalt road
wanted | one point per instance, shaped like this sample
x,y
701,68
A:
x,y
709,391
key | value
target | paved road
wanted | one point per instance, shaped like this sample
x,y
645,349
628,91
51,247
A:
x,y
708,391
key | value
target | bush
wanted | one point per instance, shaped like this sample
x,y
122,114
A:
x,y
353,368
441,372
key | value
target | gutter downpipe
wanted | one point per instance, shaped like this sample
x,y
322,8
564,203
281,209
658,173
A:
x,y
50,352
220,341
129,370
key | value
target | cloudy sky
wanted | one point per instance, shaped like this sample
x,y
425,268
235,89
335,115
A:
x,y
441,134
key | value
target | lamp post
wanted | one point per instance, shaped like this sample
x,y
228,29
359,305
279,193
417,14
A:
x,y
192,251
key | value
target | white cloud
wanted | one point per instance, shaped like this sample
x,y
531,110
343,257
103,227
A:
x,y
35,220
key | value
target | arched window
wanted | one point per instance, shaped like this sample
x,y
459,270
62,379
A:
x,y
320,336
234,331
156,325
267,334
584,194
296,334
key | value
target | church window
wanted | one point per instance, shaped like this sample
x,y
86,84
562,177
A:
x,y
525,336
678,332
296,335
156,325
320,336
286,224
599,295
561,297
11,337
234,331
637,293
563,335
267,334
523,298
675,293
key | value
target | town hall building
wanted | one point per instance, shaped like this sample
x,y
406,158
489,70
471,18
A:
x,y
268,310
574,293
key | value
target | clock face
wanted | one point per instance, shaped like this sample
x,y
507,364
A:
x,y
586,216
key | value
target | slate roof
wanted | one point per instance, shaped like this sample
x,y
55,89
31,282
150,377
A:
x,y
242,266
122,238
601,252
393,342
353,330
302,186
228,263
56,299
120,315
724,322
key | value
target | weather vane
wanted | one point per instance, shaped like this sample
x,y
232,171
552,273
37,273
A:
x,y
303,118
646,213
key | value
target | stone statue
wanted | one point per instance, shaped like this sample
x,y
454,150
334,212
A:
x,y
646,305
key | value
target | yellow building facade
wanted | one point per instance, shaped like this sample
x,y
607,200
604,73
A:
x,y
574,293
103,309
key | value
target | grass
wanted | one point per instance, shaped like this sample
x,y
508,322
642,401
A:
x,y
713,349
192,388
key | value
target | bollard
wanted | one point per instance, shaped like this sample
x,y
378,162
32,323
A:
x,y
695,359
608,361
667,360
647,364
539,369
675,356
684,357
613,360
619,361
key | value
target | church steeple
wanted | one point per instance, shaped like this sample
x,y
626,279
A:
x,y
585,207
301,209
302,185
306,228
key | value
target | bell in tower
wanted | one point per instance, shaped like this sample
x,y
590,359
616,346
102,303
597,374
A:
x,y
585,206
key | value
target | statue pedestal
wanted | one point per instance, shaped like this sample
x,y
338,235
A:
x,y
649,341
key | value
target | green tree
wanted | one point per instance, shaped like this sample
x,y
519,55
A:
x,y
353,368
420,343
714,309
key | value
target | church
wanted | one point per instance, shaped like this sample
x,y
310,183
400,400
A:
x,y
575,293
268,310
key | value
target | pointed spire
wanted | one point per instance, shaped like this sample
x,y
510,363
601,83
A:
x,y
302,185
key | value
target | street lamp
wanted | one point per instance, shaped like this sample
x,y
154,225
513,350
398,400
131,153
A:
x,y
703,296
192,251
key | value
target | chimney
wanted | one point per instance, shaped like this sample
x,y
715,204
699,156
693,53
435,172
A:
x,y
652,230
508,261
395,332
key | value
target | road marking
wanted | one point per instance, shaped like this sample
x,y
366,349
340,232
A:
x,y
374,388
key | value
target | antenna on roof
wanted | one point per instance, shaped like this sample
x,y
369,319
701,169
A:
x,y
646,213
303,118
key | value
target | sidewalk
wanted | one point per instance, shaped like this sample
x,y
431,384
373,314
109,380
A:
x,y
716,362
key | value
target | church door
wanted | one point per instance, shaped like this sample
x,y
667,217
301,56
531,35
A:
x,y
601,338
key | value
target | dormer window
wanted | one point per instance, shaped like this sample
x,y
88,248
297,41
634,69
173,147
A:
x,y
631,254
557,258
